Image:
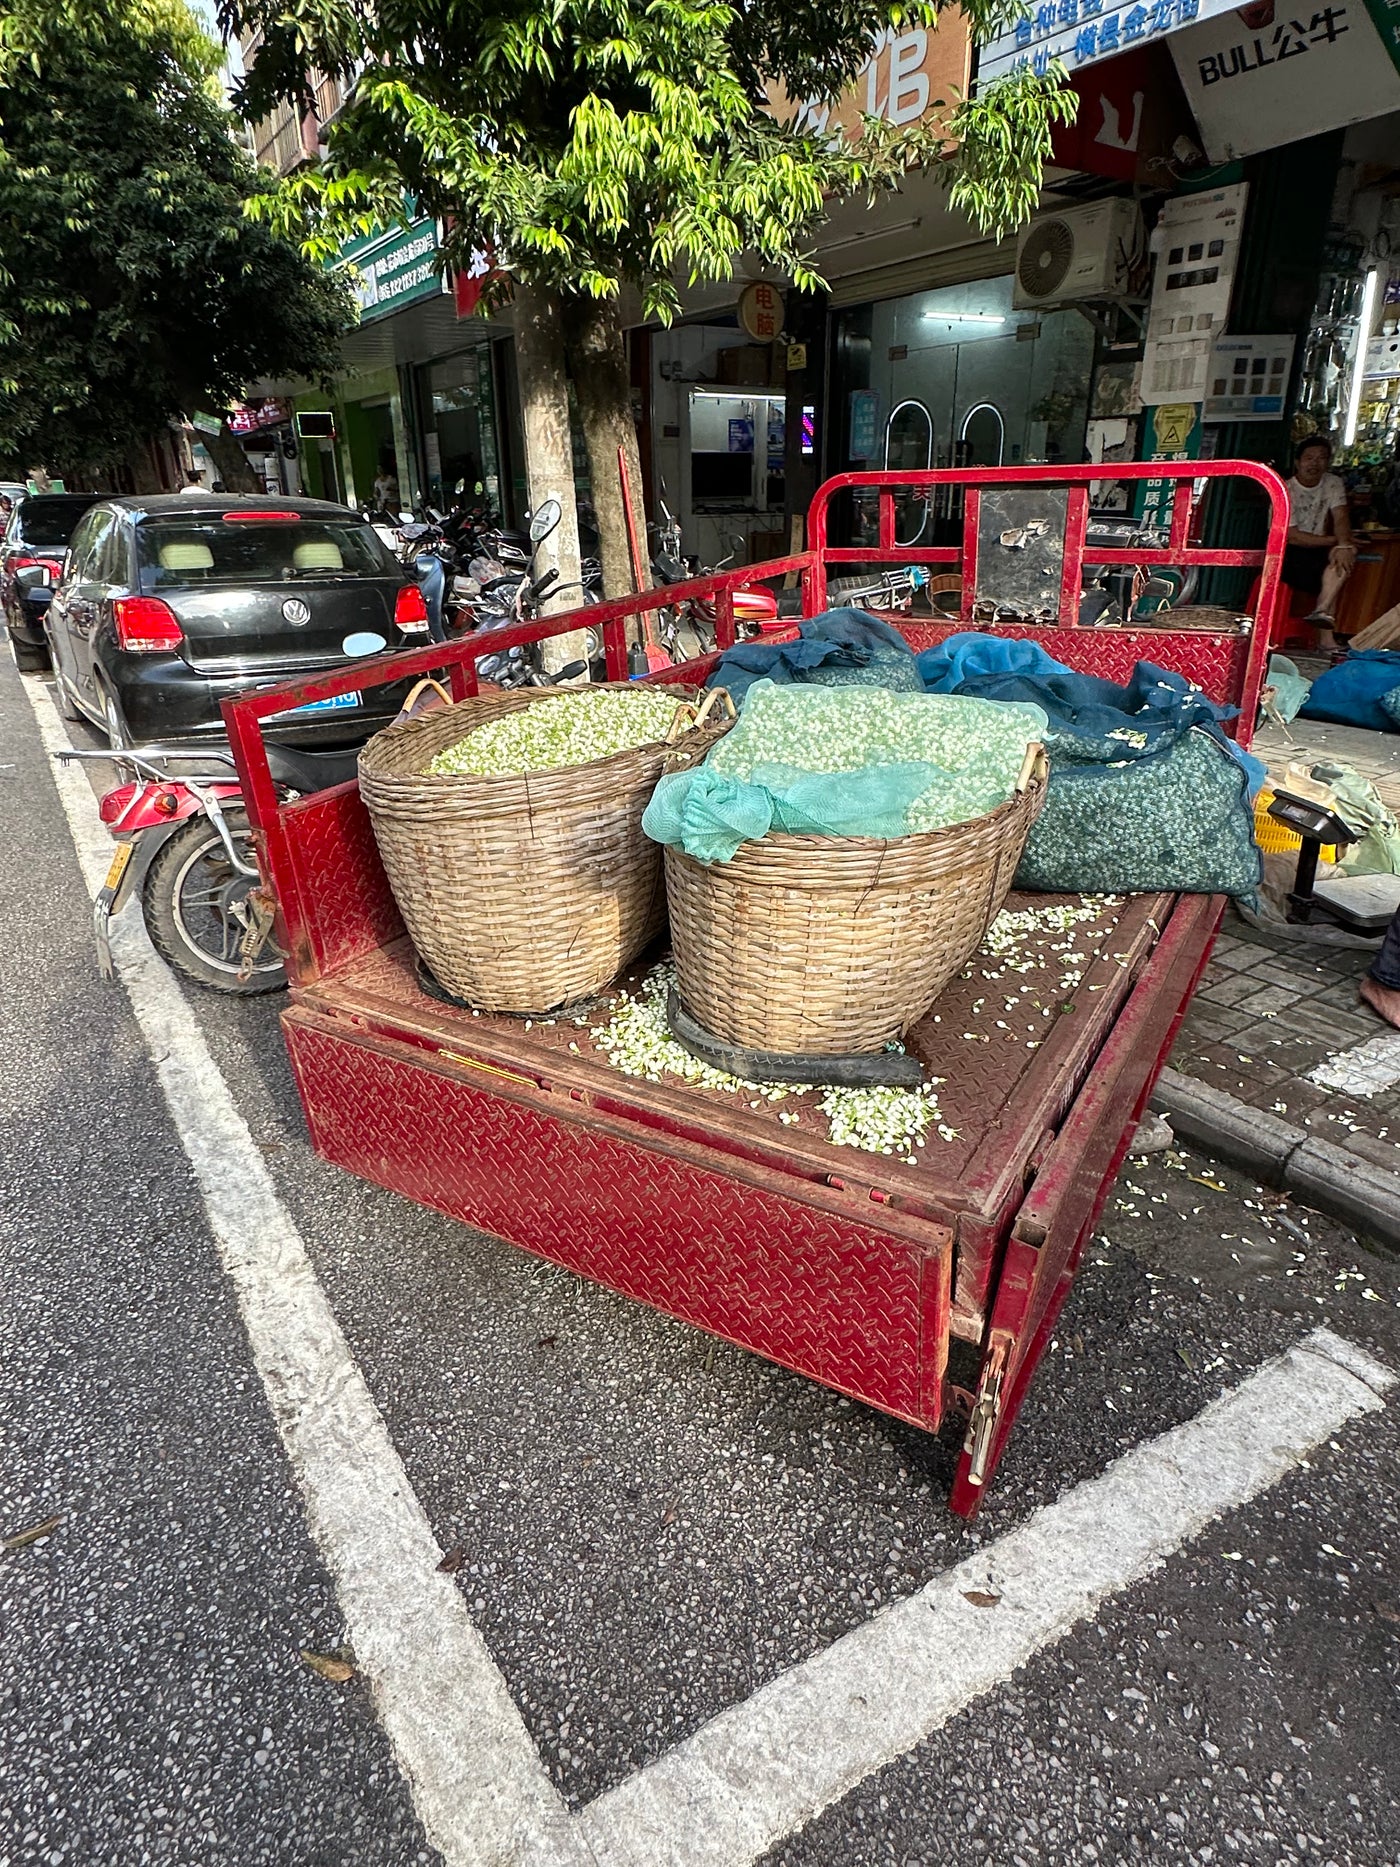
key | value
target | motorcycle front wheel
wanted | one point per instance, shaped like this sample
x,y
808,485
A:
x,y
195,904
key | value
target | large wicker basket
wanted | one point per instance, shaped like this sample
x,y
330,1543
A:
x,y
520,893
835,945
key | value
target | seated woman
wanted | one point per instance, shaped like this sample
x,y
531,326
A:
x,y
1320,553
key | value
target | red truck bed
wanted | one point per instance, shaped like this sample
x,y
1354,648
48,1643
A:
x,y
915,1288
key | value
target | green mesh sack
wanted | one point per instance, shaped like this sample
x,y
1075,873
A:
x,y
845,761
1179,820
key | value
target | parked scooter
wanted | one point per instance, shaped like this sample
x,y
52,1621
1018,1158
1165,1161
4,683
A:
x,y
517,597
185,849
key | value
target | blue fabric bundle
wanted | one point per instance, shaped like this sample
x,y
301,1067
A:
x,y
1351,693
841,647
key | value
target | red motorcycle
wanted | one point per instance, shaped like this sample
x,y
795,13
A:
x,y
184,847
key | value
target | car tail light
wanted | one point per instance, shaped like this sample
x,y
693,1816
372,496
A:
x,y
262,518
410,611
146,626
53,566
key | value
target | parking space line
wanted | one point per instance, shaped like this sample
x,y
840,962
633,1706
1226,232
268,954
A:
x,y
764,1768
477,1781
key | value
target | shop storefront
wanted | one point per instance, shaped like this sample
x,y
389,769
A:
x,y
957,376
420,405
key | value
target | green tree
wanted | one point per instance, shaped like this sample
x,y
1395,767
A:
x,y
134,288
603,144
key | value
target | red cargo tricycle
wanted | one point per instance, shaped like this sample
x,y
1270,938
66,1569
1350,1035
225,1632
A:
x,y
927,1290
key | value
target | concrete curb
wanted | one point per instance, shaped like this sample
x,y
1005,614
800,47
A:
x,y
1350,1185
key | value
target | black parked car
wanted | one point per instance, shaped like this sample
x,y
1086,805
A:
x,y
171,604
36,540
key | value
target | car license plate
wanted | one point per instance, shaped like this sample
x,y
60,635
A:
x,y
333,705
121,855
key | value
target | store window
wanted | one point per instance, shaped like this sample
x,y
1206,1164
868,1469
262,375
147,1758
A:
x,y
460,439
737,469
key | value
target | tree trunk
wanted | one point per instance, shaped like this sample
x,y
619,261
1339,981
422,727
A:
x,y
549,456
226,452
598,364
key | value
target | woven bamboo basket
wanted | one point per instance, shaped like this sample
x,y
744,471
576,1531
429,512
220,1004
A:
x,y
835,945
528,892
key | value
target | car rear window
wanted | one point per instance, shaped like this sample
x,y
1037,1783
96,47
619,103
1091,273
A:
x,y
50,518
187,553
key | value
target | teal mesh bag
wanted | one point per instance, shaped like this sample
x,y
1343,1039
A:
x,y
845,761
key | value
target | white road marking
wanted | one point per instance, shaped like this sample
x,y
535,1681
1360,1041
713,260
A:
x,y
478,1785
762,1769
1365,1069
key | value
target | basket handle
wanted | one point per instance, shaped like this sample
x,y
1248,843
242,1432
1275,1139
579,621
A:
x,y
1035,765
698,715
415,693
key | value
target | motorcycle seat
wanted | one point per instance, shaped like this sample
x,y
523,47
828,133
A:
x,y
305,771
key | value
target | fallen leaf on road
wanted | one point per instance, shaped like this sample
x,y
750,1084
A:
x,y
329,1665
1187,1359
981,1600
1201,1180
23,1537
669,1514
453,1560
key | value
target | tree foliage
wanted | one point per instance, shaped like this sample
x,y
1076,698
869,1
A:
x,y
134,287
596,143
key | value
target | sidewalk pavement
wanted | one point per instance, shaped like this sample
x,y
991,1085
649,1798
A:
x,y
1279,1068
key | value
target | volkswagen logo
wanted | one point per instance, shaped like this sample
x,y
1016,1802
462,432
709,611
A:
x,y
296,611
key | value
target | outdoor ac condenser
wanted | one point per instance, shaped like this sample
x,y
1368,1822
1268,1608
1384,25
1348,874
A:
x,y
1079,252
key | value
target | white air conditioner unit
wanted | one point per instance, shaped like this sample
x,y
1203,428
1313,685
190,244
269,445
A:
x,y
1079,252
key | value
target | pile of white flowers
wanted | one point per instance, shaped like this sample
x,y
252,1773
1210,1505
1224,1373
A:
x,y
974,748
637,1040
1010,935
568,729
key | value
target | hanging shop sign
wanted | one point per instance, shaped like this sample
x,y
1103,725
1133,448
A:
x,y
1248,378
1260,77
469,284
1083,31
1131,111
395,268
909,74
252,417
761,311
1197,242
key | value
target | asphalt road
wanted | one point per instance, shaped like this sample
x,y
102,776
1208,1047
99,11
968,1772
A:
x,y
645,1526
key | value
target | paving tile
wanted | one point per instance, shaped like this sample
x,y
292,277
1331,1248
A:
x,y
1211,1025
1344,998
1229,991
1269,1037
1273,998
1237,956
1336,1028
1303,980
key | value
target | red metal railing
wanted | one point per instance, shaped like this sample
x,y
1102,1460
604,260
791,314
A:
x,y
1177,551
